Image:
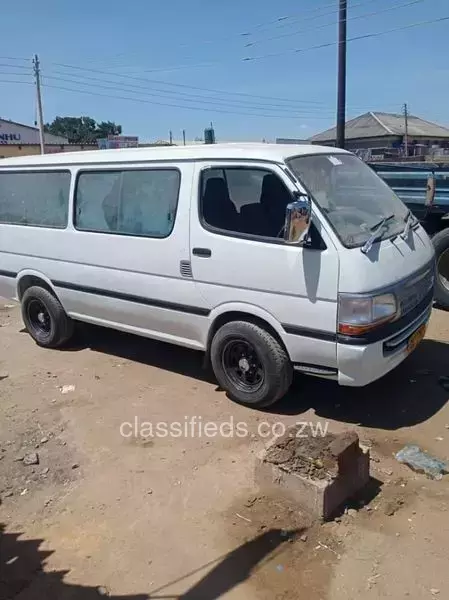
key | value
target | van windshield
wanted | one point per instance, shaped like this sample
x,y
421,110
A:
x,y
354,199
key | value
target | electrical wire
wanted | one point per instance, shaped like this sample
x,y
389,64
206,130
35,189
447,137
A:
x,y
210,64
290,113
358,37
16,67
196,108
294,115
287,103
9,73
179,85
286,52
279,22
14,58
195,97
252,59
332,24
236,102
15,81
290,101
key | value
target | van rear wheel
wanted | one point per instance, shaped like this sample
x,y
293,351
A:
x,y
250,364
45,318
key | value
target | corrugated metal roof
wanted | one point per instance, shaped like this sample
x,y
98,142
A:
x,y
380,124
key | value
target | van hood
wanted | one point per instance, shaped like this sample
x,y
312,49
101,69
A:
x,y
388,262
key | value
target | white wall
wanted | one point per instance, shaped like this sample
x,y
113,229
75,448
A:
x,y
13,133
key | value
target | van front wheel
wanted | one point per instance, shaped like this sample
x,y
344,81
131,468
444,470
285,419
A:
x,y
250,364
45,318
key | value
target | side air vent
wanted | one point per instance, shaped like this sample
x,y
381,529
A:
x,y
185,268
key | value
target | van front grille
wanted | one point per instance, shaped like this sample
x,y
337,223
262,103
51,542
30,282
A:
x,y
411,292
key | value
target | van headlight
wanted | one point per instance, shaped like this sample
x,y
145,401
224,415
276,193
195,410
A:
x,y
358,314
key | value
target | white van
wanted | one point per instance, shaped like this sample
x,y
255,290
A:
x,y
268,258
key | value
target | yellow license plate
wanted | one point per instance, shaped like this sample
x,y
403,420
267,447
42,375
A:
x,y
416,338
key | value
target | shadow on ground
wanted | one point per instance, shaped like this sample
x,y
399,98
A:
x,y
407,396
22,574
233,568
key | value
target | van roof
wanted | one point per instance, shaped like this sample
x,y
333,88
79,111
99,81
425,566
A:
x,y
263,152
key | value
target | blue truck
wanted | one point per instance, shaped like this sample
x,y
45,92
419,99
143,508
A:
x,y
424,188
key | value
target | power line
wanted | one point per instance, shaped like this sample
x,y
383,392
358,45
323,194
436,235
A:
x,y
180,85
188,97
196,108
13,73
291,19
211,64
15,81
14,58
172,68
278,22
196,97
284,52
16,67
174,93
332,24
290,101
286,21
358,37
261,57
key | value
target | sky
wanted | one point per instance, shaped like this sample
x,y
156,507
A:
x,y
154,66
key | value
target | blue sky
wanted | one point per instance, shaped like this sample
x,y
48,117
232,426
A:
x,y
160,47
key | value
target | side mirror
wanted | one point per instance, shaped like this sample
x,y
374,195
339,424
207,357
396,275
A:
x,y
297,220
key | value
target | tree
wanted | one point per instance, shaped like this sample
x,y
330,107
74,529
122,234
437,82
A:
x,y
106,128
82,130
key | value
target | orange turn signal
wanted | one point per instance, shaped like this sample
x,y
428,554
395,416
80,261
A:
x,y
361,329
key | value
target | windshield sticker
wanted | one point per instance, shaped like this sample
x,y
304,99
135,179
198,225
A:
x,y
335,161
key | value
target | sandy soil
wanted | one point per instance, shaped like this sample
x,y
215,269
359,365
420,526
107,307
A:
x,y
150,516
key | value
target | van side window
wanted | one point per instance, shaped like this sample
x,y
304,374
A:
x,y
39,198
241,200
129,202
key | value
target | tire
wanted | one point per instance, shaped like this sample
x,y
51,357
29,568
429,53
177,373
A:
x,y
441,245
45,319
266,368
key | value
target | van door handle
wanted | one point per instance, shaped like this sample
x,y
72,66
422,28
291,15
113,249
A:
x,y
203,252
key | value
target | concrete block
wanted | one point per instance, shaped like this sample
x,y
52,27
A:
x,y
320,474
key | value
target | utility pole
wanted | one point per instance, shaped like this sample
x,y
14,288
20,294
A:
x,y
184,136
171,137
341,99
405,113
40,117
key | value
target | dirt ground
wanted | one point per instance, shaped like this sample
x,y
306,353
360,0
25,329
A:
x,y
143,515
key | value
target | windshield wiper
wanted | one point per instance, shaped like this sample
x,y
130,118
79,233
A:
x,y
410,221
377,227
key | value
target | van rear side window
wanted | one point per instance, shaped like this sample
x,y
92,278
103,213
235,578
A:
x,y
128,202
39,198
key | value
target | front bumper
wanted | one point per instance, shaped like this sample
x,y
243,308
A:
x,y
359,365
